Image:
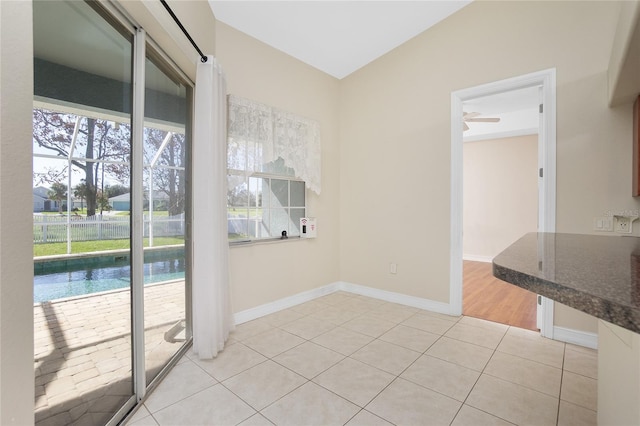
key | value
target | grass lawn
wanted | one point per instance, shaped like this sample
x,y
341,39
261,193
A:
x,y
49,249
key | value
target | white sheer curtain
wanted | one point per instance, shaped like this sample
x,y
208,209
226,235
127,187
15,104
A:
x,y
212,314
260,134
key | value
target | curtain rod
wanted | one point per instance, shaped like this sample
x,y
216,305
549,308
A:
x,y
203,58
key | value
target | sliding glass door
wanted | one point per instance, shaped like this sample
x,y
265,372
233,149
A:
x,y
110,206
166,152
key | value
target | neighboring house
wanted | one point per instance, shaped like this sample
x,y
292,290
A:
x,y
123,202
41,201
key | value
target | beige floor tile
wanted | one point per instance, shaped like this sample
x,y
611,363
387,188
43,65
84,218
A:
x,y
310,405
469,416
531,374
395,315
256,420
263,384
386,356
335,315
481,323
365,418
212,406
533,347
429,323
232,360
140,413
442,376
337,298
512,402
249,329
405,403
446,317
462,353
574,415
308,359
410,338
583,362
369,325
308,308
362,304
280,318
524,333
342,340
145,421
308,327
273,342
182,381
579,390
357,382
583,349
480,336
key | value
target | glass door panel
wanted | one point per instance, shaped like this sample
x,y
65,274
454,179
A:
x,y
81,145
165,168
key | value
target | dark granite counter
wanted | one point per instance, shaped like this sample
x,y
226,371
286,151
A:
x,y
599,275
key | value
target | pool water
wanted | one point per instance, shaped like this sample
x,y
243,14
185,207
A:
x,y
59,285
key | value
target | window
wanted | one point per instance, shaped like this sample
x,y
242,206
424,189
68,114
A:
x,y
261,207
273,157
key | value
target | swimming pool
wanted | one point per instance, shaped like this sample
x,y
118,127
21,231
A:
x,y
66,279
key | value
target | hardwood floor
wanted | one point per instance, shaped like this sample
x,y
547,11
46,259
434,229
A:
x,y
487,297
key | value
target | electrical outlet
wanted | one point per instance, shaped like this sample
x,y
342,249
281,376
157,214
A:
x,y
393,268
623,224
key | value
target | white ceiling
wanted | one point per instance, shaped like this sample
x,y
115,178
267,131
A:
x,y
337,37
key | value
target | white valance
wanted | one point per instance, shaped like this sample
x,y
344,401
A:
x,y
259,135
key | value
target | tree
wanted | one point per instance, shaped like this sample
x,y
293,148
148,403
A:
x,y
97,140
80,191
168,171
103,201
58,192
115,190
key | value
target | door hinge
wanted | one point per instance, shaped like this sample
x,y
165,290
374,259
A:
x,y
540,172
541,108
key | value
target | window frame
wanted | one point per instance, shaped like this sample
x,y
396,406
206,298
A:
x,y
248,207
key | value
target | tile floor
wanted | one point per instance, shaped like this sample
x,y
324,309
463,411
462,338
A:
x,y
348,359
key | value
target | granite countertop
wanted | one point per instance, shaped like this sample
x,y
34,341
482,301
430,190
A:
x,y
599,275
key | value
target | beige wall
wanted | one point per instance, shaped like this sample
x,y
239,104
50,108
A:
x,y
265,272
196,15
16,250
500,193
395,134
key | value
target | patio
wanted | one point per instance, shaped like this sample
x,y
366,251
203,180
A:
x,y
82,351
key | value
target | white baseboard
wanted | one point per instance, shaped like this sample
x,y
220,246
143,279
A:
x,y
296,299
287,302
403,299
477,258
575,337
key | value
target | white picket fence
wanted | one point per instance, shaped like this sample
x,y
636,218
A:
x,y
53,229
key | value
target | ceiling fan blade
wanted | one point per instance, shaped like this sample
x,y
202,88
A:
x,y
484,120
468,115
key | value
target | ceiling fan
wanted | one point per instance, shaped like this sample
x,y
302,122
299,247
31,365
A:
x,y
472,117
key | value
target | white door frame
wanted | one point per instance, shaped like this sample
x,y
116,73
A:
x,y
547,183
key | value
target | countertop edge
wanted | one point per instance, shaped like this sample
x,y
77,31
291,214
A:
x,y
620,315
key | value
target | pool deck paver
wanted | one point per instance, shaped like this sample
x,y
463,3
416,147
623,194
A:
x,y
82,351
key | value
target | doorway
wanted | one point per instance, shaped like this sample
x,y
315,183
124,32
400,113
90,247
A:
x,y
500,199
546,180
